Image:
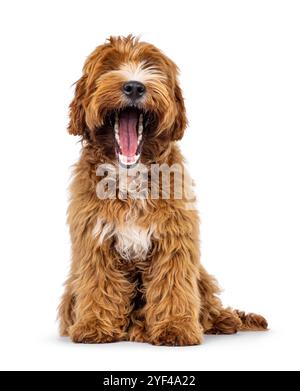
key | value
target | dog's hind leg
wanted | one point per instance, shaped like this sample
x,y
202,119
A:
x,y
215,319
230,321
251,321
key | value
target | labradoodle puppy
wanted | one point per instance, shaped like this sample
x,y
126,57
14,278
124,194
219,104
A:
x,y
135,272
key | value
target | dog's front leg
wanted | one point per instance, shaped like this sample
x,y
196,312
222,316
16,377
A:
x,y
172,297
102,300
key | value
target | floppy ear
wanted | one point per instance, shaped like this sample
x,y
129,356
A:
x,y
180,121
77,125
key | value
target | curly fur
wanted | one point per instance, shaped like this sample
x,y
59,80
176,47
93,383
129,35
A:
x,y
153,289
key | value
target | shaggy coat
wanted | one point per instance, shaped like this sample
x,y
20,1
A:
x,y
135,272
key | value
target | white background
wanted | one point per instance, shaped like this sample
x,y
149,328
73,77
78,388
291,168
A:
x,y
240,72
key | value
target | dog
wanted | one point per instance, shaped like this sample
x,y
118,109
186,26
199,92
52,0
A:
x,y
135,273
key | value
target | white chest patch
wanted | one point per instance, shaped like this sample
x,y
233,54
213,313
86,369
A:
x,y
132,242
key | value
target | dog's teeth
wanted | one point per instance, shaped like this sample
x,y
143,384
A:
x,y
128,161
140,131
116,127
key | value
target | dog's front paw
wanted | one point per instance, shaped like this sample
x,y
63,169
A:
x,y
137,333
92,332
176,333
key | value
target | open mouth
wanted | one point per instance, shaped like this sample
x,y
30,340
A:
x,y
129,124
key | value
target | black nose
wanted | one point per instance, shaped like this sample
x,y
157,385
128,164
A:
x,y
134,89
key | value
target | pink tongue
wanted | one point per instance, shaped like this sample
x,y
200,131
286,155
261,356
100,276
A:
x,y
127,132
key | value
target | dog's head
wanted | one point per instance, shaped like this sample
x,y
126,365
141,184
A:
x,y
128,101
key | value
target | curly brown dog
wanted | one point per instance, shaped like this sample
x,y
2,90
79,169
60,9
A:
x,y
135,272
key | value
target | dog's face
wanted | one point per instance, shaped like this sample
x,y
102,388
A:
x,y
128,101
